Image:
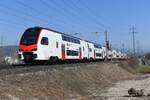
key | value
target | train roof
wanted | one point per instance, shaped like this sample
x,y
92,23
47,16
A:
x,y
64,34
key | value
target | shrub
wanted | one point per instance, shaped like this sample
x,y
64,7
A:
x,y
147,56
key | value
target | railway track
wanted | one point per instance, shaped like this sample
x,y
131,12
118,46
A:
x,y
27,68
22,68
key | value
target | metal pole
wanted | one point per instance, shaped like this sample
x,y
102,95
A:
x,y
106,44
133,36
133,43
123,51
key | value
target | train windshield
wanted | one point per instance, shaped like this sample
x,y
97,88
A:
x,y
30,36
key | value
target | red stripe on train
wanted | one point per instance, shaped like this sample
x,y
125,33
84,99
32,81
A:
x,y
94,55
80,54
63,52
29,48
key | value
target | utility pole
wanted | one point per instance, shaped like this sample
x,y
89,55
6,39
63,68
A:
x,y
123,48
106,44
133,36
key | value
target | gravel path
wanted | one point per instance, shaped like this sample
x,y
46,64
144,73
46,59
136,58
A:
x,y
119,90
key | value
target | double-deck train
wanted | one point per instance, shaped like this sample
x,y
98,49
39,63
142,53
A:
x,y
42,44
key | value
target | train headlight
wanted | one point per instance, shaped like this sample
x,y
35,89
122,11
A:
x,y
35,49
20,50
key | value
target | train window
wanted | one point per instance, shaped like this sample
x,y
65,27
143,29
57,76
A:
x,y
83,48
56,44
64,38
30,36
98,54
67,39
72,53
70,39
74,40
44,41
97,46
90,49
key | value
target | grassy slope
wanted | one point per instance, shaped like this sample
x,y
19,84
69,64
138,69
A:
x,y
145,69
84,82
133,66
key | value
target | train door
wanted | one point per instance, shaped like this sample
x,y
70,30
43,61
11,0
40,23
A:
x,y
84,50
63,51
94,54
88,51
80,54
45,47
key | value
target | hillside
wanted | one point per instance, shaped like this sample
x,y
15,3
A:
x,y
75,82
9,50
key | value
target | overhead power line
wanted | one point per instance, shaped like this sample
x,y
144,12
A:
x,y
38,12
14,13
91,14
63,23
14,24
69,13
62,12
75,9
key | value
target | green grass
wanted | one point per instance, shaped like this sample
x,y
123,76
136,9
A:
x,y
145,69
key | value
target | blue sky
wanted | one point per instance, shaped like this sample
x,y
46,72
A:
x,y
78,16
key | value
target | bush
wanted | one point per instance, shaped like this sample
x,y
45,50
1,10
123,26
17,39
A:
x,y
147,56
133,62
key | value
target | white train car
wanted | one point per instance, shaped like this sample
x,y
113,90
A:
x,y
123,56
104,51
117,55
42,44
114,54
85,50
109,56
49,45
120,55
99,52
109,53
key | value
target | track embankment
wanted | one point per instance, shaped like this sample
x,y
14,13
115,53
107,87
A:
x,y
84,81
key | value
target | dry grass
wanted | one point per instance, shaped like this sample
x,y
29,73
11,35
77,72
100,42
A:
x,y
133,66
144,69
130,65
80,83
